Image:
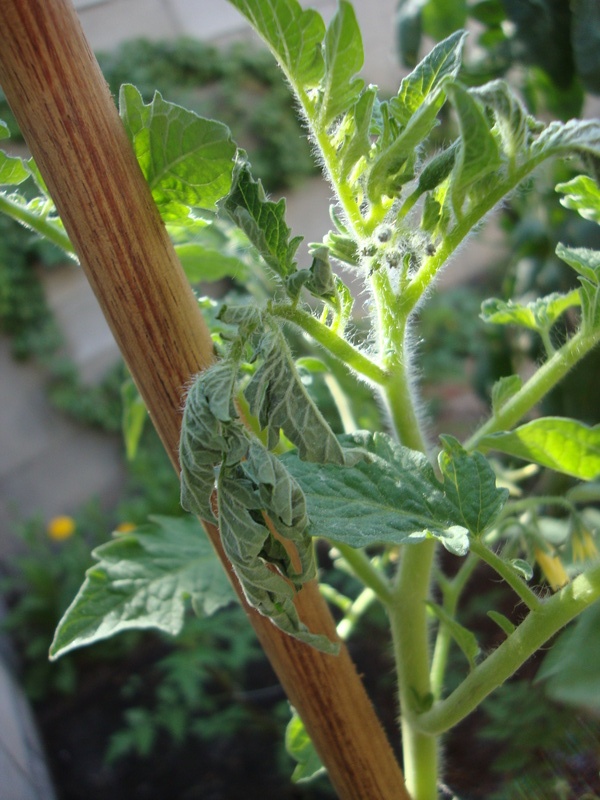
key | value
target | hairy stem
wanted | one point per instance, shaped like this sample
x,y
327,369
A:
x,y
43,226
408,609
432,265
410,635
334,344
536,388
507,573
539,626
392,347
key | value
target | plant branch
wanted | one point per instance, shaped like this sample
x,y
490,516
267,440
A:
x,y
40,225
507,573
537,628
541,382
349,355
467,223
353,615
410,635
396,388
361,566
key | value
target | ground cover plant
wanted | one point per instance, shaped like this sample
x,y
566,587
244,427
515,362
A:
x,y
258,456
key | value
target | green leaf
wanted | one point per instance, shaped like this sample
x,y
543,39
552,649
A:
x,y
583,260
204,264
355,133
39,181
570,670
4,130
209,434
463,637
513,123
587,263
255,496
279,400
582,194
443,60
186,159
503,622
490,12
319,280
437,169
261,562
344,57
389,493
12,170
393,167
539,315
523,567
293,35
144,580
561,444
504,389
263,222
135,415
247,316
574,136
470,484
478,153
299,746
281,497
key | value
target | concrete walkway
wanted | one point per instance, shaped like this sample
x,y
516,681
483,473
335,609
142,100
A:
x,y
23,771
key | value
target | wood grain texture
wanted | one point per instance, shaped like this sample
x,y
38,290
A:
x,y
69,120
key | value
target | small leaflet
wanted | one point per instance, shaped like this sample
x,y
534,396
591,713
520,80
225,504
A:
x,y
263,222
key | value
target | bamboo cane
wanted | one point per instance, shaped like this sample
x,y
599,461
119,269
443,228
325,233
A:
x,y
67,116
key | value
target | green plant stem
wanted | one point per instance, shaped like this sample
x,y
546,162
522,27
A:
x,y
464,226
333,343
341,187
451,590
408,609
539,626
410,636
547,342
360,564
536,388
396,389
514,507
46,228
352,616
507,573
342,403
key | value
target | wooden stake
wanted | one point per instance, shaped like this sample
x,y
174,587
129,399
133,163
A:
x,y
68,118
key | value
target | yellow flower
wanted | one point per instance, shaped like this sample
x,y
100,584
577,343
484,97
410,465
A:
x,y
60,528
125,527
553,569
583,545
